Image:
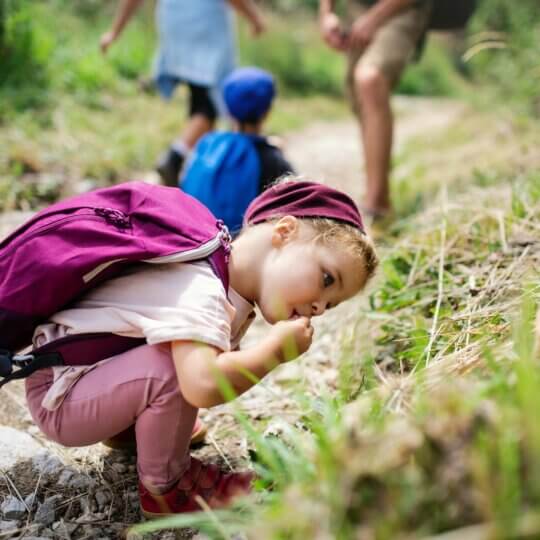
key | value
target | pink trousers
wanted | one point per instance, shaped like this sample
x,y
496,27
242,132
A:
x,y
137,387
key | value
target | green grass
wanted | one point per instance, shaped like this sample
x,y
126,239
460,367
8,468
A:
x,y
434,426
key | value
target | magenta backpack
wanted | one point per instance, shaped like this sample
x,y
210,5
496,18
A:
x,y
73,245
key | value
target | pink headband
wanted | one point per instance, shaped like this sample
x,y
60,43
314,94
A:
x,y
303,199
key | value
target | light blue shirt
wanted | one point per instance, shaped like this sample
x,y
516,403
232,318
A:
x,y
196,40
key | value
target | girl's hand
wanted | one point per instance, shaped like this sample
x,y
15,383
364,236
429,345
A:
x,y
294,337
106,40
332,32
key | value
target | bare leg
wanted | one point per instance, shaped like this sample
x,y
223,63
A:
x,y
197,126
373,94
170,163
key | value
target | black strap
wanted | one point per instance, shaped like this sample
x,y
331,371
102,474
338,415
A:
x,y
38,362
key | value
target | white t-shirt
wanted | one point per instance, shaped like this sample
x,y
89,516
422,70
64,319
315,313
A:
x,y
162,303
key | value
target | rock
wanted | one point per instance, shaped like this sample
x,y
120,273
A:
x,y
30,501
119,468
35,537
47,464
102,498
46,512
88,505
63,529
8,526
16,445
65,477
91,518
81,482
91,531
47,533
13,508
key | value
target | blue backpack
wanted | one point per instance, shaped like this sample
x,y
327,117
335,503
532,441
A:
x,y
224,174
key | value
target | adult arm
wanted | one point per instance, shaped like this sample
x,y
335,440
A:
x,y
201,367
330,26
126,9
249,10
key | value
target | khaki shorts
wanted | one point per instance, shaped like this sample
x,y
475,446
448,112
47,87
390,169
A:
x,y
393,46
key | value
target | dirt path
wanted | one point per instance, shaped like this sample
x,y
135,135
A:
x,y
326,151
330,151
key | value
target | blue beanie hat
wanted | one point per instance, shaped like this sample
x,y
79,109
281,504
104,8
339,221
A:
x,y
248,93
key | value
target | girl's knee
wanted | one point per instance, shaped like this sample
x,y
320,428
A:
x,y
160,366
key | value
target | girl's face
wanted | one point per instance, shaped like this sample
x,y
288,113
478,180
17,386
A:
x,y
303,277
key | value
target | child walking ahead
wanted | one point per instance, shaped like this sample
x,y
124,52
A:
x,y
197,48
303,250
228,169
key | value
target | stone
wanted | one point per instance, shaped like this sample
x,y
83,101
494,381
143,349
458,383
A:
x,y
65,476
13,508
47,464
46,512
30,501
16,445
102,498
91,531
119,468
6,527
81,482
63,529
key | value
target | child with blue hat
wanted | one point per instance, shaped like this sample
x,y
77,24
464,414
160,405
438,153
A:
x,y
228,169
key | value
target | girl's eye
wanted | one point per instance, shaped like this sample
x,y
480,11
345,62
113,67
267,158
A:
x,y
328,279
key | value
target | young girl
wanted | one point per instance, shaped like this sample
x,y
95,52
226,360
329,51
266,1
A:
x,y
303,251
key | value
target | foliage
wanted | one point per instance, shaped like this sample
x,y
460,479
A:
x,y
505,51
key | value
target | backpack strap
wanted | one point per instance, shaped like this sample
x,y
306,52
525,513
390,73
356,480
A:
x,y
73,350
27,365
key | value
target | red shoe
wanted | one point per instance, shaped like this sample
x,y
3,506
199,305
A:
x,y
216,488
126,439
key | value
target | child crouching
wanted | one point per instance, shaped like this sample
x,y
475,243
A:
x,y
303,250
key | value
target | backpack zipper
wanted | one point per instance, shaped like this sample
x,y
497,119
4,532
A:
x,y
200,252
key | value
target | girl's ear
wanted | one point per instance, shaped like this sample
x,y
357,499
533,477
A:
x,y
285,230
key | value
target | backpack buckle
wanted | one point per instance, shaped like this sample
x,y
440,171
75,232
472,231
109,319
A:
x,y
6,362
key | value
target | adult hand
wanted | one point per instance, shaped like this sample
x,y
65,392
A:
x,y
258,26
294,337
362,31
106,41
332,31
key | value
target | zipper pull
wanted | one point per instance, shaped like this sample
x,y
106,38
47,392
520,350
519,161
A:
x,y
225,238
114,217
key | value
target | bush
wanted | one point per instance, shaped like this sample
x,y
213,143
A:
x,y
512,71
294,52
23,53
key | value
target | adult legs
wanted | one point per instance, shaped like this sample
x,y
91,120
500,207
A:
x,y
372,92
372,74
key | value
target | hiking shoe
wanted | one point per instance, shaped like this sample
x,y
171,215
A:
x,y
200,486
126,439
169,167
